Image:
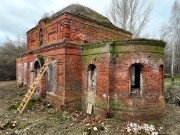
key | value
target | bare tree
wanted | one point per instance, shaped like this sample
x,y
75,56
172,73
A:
x,y
171,34
9,51
47,14
131,15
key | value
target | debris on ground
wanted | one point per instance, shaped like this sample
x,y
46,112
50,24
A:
x,y
41,118
142,128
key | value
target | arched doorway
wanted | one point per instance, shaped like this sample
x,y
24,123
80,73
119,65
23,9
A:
x,y
37,67
91,87
136,79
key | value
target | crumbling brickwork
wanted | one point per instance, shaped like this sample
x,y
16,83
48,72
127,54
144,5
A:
x,y
96,66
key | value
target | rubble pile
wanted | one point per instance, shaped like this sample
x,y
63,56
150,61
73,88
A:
x,y
140,128
8,124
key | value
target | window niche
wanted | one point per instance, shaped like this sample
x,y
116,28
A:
x,y
92,78
51,78
19,75
25,74
136,79
41,37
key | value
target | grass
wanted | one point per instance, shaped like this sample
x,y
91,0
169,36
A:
x,y
14,106
168,83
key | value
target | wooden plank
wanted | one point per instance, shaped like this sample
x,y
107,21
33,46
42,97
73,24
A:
x,y
18,110
89,108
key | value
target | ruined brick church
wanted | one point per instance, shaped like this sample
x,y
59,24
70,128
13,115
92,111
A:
x,y
95,66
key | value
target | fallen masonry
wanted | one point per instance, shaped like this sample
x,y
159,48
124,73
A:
x,y
136,128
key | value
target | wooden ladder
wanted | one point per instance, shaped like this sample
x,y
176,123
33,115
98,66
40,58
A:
x,y
33,87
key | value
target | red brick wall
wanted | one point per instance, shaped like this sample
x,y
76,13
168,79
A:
x,y
58,54
82,31
150,73
151,103
69,70
101,61
73,76
54,31
70,27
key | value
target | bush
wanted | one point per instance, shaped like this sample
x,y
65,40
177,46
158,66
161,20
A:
x,y
9,51
172,96
167,76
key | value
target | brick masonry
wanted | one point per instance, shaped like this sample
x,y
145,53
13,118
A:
x,y
75,42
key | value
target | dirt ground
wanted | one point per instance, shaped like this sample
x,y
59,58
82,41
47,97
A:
x,y
39,118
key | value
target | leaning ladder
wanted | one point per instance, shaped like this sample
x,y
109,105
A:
x,y
33,87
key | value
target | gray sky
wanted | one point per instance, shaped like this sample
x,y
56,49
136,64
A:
x,y
18,16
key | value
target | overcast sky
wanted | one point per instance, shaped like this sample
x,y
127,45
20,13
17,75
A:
x,y
18,16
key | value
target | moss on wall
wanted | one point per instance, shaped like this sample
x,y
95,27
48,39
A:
x,y
41,59
142,41
98,48
129,46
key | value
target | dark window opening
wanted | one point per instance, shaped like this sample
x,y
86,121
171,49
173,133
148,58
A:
x,y
36,67
136,78
41,36
92,77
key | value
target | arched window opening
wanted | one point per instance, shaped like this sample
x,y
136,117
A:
x,y
36,67
161,74
92,78
135,78
36,71
41,37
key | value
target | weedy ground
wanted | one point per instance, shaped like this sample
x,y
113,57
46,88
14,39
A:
x,y
40,118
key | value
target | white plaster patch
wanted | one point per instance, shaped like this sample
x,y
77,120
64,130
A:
x,y
82,36
155,71
31,73
19,73
161,62
144,60
51,78
122,75
115,97
104,95
25,73
91,97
